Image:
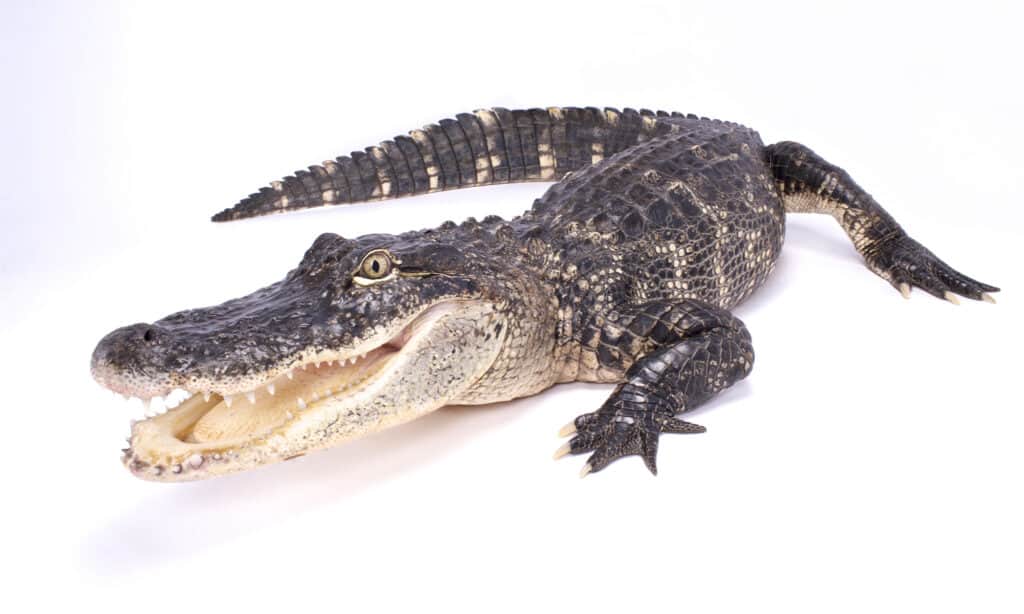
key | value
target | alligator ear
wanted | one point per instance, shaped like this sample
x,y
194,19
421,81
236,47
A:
x,y
432,257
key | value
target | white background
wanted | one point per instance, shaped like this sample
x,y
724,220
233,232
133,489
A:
x,y
871,462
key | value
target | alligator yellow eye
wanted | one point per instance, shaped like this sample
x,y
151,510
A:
x,y
378,265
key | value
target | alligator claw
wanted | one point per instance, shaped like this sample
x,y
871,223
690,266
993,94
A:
x,y
614,432
908,264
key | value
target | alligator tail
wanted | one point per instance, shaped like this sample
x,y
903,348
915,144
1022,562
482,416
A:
x,y
485,147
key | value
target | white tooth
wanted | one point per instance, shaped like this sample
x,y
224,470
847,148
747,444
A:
x,y
196,460
361,356
290,374
145,404
318,363
228,400
316,397
288,415
301,403
251,395
271,389
352,360
206,396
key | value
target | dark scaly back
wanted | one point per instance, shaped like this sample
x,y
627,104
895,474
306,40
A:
x,y
485,147
692,213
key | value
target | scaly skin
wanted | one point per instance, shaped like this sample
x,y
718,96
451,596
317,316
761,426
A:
x,y
624,271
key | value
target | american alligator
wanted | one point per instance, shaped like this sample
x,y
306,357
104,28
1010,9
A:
x,y
624,271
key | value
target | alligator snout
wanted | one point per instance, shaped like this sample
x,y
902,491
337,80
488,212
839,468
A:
x,y
125,360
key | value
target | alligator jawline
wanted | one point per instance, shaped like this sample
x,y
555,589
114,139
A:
x,y
210,425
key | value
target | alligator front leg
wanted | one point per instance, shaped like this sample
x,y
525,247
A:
x,y
682,354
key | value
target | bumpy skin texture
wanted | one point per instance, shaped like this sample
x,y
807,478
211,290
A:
x,y
624,271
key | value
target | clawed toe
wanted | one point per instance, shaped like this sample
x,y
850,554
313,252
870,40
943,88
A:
x,y
610,435
907,264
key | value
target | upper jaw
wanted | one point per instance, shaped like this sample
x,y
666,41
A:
x,y
165,447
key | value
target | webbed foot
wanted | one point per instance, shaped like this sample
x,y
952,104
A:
x,y
907,264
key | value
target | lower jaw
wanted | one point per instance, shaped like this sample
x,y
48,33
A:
x,y
312,407
206,436
403,385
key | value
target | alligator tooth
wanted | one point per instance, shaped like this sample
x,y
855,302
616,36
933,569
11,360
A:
x,y
288,415
362,356
352,360
195,460
300,403
206,396
271,389
228,399
318,363
290,374
251,395
316,397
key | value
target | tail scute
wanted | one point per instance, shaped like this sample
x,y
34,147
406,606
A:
x,y
484,147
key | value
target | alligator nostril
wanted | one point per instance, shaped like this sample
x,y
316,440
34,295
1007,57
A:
x,y
148,335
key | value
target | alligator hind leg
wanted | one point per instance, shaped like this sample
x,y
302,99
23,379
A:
x,y
678,356
807,183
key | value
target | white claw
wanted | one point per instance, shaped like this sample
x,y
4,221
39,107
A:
x,y
228,400
985,296
251,395
905,289
271,389
586,469
300,403
561,451
949,296
568,429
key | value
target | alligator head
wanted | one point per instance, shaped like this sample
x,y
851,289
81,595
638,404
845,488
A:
x,y
362,335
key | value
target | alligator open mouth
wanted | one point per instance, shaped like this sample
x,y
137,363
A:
x,y
209,431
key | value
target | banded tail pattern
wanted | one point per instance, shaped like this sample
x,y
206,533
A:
x,y
485,147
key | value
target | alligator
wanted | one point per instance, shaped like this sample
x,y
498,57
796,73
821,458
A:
x,y
623,272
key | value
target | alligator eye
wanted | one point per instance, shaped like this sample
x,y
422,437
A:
x,y
376,266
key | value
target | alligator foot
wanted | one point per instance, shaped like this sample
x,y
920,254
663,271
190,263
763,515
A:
x,y
906,264
615,431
